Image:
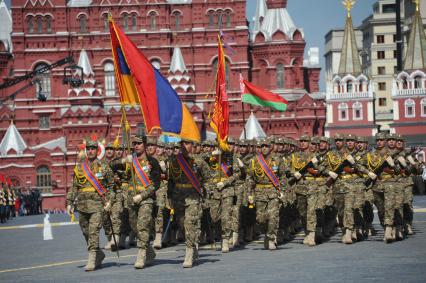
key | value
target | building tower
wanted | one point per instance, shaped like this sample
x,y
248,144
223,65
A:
x,y
350,100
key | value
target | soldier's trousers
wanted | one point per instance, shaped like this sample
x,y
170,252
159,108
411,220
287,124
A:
x,y
358,189
115,213
384,200
125,222
399,204
188,212
161,200
90,225
236,209
408,203
221,209
268,213
368,211
140,216
306,206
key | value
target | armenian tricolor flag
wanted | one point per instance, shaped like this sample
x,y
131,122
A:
x,y
139,83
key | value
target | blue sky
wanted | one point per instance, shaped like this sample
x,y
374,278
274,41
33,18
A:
x,y
317,17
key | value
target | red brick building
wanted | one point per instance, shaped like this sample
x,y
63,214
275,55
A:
x,y
38,149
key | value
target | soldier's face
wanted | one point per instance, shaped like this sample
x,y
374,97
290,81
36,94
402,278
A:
x,y
350,144
151,149
231,147
243,149
160,150
400,144
109,153
198,149
169,151
176,150
380,143
265,149
313,147
339,144
92,152
187,146
323,146
139,147
119,153
280,148
359,146
391,143
304,145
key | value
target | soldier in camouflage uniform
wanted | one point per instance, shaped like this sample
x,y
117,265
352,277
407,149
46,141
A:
x,y
161,195
187,199
266,193
109,156
89,203
142,198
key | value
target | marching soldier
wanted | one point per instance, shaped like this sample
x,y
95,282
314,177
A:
x,y
91,195
265,182
109,156
187,174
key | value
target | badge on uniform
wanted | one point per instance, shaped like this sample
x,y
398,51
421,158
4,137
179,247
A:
x,y
145,168
98,175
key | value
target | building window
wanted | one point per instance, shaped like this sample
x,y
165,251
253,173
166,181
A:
x,y
410,111
349,86
30,24
219,20
44,122
357,110
82,20
343,112
125,23
106,22
226,71
395,54
211,19
381,70
109,79
176,20
388,8
134,22
394,38
382,101
228,19
43,177
39,25
280,75
152,21
44,81
418,82
382,86
380,38
48,24
423,106
380,54
156,64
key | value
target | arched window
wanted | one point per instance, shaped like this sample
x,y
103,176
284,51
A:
x,y
156,64
176,18
349,86
410,108
39,25
228,19
404,83
418,82
109,79
48,24
43,177
357,111
219,19
125,23
106,22
280,75
30,24
134,21
423,105
152,20
343,111
211,19
82,20
361,86
226,71
44,81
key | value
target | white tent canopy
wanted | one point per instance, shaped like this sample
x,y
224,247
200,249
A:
x,y
253,129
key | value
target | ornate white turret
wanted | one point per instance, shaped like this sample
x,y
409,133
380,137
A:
x,y
5,28
12,140
253,129
88,88
178,74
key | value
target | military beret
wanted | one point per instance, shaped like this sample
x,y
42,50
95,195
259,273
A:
x,y
315,140
305,138
168,145
391,137
91,143
110,145
122,146
338,136
380,136
350,137
160,143
262,141
139,138
324,139
231,140
399,137
361,139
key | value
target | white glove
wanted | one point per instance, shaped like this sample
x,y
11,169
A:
x,y
333,175
401,160
411,160
70,209
250,199
281,197
350,159
163,166
240,163
314,160
216,152
372,175
137,199
389,160
107,206
129,158
297,175
220,185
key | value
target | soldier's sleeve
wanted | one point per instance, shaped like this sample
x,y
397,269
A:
x,y
155,178
236,173
72,194
109,184
205,173
251,183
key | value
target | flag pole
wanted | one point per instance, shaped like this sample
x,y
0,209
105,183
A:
x,y
244,119
127,134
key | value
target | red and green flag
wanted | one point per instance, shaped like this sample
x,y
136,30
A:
x,y
254,95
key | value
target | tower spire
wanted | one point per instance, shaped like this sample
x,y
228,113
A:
x,y
349,59
416,50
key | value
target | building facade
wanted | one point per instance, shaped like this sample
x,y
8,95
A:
x,y
40,140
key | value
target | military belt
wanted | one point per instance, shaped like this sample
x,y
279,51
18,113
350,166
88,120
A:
x,y
184,186
386,177
138,188
88,190
348,176
219,179
264,186
314,178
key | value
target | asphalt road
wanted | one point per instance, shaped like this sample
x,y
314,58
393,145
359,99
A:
x,y
26,257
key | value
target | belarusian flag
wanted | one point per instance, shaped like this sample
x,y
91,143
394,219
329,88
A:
x,y
253,95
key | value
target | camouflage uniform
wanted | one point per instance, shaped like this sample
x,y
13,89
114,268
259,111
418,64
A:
x,y
187,202
266,195
161,201
90,205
